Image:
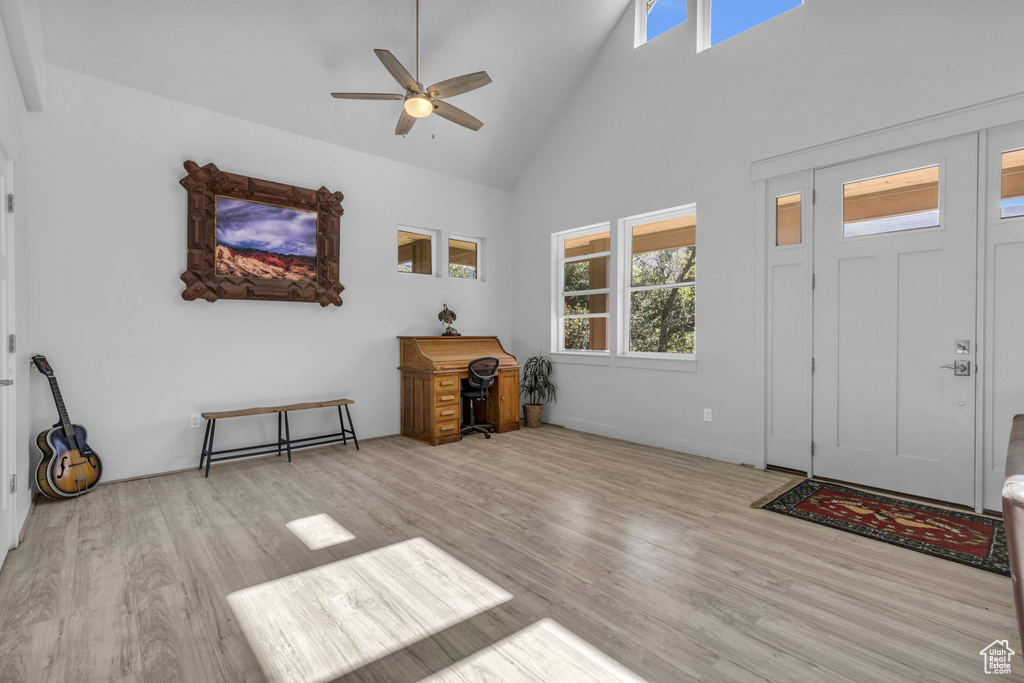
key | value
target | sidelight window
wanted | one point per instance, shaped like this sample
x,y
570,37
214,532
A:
x,y
1011,198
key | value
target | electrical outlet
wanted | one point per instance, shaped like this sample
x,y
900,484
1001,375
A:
x,y
707,414
195,420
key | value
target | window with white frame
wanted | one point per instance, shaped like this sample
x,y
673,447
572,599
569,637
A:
x,y
416,250
659,282
654,17
719,20
463,257
582,262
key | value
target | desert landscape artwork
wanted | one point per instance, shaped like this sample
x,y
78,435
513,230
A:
x,y
265,241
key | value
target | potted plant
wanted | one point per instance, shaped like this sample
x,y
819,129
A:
x,y
537,387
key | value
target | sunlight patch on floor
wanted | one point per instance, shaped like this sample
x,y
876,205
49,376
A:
x,y
319,531
540,653
325,622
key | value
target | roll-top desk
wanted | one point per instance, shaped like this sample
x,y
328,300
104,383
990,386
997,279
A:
x,y
432,372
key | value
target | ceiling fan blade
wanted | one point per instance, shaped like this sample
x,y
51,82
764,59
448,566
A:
x,y
459,84
366,96
404,123
398,71
456,115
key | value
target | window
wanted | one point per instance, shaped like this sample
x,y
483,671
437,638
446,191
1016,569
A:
x,y
1011,202
415,251
732,17
654,17
660,278
462,258
892,203
787,219
583,258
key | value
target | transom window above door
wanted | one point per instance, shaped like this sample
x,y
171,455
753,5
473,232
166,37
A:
x,y
892,203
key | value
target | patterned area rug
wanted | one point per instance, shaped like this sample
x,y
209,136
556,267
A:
x,y
959,536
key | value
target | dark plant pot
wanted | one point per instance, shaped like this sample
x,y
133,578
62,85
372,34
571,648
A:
x,y
532,413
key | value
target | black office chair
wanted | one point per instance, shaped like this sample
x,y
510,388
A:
x,y
476,388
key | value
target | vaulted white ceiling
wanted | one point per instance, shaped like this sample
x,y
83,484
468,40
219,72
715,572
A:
x,y
275,61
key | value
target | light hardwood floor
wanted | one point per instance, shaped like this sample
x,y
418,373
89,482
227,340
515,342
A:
x,y
653,558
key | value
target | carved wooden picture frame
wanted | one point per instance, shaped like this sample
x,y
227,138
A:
x,y
202,280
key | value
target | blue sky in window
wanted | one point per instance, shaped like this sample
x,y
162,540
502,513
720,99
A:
x,y
732,17
664,15
925,219
1010,208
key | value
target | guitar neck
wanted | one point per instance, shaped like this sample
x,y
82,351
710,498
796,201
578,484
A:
x,y
62,410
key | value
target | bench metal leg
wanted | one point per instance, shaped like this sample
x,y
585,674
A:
x,y
344,435
279,435
351,427
209,457
288,437
204,453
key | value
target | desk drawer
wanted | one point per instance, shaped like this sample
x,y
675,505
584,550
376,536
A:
x,y
446,412
444,397
446,383
447,428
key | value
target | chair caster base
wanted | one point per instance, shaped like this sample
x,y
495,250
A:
x,y
487,435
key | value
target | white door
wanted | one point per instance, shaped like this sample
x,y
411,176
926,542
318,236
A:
x,y
895,241
8,500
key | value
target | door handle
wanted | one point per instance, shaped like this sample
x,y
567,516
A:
x,y
6,382
960,368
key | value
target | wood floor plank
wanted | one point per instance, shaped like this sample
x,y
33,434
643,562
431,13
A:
x,y
652,557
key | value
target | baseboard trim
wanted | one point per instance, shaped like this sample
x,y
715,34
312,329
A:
x,y
23,512
193,465
703,450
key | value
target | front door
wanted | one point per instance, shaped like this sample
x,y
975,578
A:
x,y
895,243
8,500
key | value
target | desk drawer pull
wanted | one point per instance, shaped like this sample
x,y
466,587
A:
x,y
448,382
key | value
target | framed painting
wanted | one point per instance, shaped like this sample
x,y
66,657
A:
x,y
257,239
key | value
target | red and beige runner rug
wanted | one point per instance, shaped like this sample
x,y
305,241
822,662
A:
x,y
962,537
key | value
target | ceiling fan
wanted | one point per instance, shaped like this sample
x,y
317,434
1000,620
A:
x,y
419,101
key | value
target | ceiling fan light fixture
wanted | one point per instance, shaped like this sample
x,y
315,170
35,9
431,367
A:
x,y
418,106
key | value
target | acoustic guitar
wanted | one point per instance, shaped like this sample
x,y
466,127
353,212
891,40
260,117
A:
x,y
69,466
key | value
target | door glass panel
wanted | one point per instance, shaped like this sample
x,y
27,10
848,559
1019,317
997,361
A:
x,y
586,334
414,253
1011,200
892,203
787,219
591,273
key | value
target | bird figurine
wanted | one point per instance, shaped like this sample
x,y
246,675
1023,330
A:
x,y
447,316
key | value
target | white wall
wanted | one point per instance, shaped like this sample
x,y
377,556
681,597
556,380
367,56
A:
x,y
661,126
134,359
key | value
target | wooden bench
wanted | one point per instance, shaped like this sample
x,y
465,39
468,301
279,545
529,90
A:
x,y
284,439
